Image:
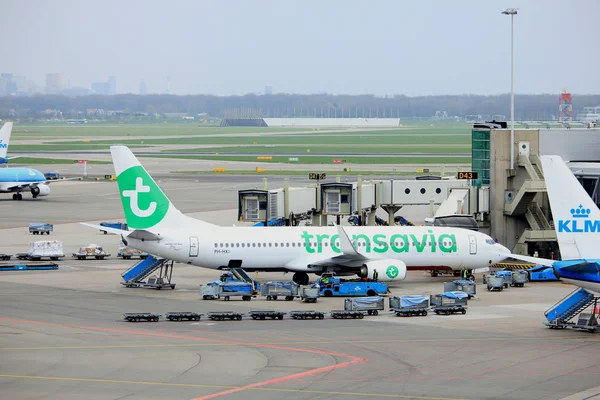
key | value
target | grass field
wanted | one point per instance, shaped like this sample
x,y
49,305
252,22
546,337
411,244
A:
x,y
299,173
44,161
327,160
341,150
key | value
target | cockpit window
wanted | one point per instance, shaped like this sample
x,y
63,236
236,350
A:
x,y
490,241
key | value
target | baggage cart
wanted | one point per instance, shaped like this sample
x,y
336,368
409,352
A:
x,y
223,315
519,278
183,316
236,289
449,303
262,315
92,251
5,257
495,283
506,277
372,305
210,292
138,317
309,294
274,289
408,306
307,314
461,285
344,314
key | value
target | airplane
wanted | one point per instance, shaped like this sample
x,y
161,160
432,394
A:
x,y
158,228
4,140
577,225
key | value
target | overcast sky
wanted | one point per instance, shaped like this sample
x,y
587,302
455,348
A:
x,y
341,47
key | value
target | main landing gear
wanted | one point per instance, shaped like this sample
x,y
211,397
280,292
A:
x,y
17,196
301,278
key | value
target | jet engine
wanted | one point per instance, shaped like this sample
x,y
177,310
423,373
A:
x,y
387,270
40,190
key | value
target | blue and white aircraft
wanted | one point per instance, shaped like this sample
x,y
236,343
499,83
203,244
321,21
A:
x,y
577,225
4,140
19,180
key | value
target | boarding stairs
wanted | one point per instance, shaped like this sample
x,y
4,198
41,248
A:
x,y
569,307
142,269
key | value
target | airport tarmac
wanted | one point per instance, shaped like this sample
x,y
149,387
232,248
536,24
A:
x,y
62,333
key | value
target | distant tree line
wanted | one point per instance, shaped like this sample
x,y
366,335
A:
x,y
527,107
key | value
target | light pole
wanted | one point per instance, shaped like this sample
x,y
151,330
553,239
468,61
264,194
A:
x,y
512,12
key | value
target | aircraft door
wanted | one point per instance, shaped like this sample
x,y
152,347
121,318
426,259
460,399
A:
x,y
251,208
472,244
193,246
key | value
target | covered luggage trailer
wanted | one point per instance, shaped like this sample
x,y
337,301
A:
x,y
449,303
309,294
307,314
272,290
408,306
183,316
519,278
372,305
461,285
236,289
138,317
262,315
344,314
494,283
210,292
223,315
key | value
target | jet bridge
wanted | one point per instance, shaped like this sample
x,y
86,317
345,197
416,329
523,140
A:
x,y
268,205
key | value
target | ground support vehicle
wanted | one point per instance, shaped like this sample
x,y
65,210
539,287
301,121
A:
x,y
344,314
133,277
128,253
449,303
210,291
307,314
52,249
137,317
519,278
274,289
560,315
506,277
5,257
91,251
262,315
183,316
114,225
309,294
236,289
223,315
372,305
542,273
494,283
337,287
461,285
39,228
408,306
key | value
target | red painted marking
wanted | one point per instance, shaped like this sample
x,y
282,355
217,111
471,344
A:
x,y
353,360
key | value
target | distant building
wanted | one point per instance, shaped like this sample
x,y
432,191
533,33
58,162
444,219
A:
x,y
112,85
268,89
102,88
143,88
54,82
589,114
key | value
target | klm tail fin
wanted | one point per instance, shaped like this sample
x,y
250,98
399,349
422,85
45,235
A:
x,y
145,205
576,216
4,140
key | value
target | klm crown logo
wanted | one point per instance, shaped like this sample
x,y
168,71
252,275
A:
x,y
3,145
580,223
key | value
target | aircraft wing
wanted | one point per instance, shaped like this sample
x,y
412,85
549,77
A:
x,y
534,260
349,257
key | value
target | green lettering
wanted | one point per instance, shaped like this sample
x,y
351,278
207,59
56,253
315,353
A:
x,y
306,236
334,245
444,247
433,243
402,249
381,245
365,238
419,245
320,241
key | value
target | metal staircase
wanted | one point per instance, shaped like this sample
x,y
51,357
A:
x,y
142,270
569,307
524,196
536,218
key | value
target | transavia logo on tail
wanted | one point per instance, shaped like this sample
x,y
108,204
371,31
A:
x,y
392,271
580,222
143,202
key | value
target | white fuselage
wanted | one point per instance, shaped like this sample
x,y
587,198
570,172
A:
x,y
296,248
